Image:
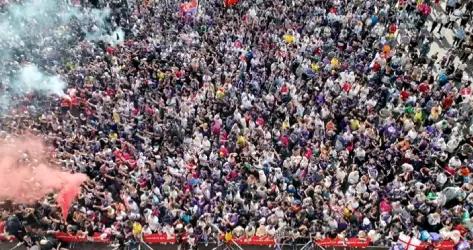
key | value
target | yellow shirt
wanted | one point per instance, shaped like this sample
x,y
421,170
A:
x,y
116,117
435,112
346,213
113,136
228,236
335,63
137,228
161,76
289,38
418,116
354,124
220,93
285,124
241,141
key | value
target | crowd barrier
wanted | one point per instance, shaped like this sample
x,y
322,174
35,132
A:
x,y
255,241
443,245
251,241
359,243
242,241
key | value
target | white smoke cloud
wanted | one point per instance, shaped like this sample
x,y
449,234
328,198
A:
x,y
36,37
98,29
31,79
117,37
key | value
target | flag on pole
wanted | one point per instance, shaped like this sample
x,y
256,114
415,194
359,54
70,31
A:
x,y
189,8
230,3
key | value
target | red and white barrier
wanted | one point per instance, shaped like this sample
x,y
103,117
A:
x,y
162,238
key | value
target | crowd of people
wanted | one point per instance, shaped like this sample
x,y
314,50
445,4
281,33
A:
x,y
287,118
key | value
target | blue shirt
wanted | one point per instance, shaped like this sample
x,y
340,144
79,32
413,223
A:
x,y
452,2
374,20
460,34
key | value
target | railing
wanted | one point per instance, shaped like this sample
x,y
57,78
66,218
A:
x,y
154,239
237,243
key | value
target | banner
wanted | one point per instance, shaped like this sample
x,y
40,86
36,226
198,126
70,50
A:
x,y
255,241
443,245
351,242
159,239
70,238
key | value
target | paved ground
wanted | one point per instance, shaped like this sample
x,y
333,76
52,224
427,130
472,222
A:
x,y
444,40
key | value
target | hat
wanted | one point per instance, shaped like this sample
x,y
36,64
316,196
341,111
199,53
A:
x,y
441,178
407,167
374,236
454,162
355,204
366,221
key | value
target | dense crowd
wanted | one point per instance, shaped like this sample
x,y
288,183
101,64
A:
x,y
294,119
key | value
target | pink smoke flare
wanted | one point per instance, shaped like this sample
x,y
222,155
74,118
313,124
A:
x,y
26,176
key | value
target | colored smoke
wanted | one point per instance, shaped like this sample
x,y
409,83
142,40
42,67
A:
x,y
25,174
